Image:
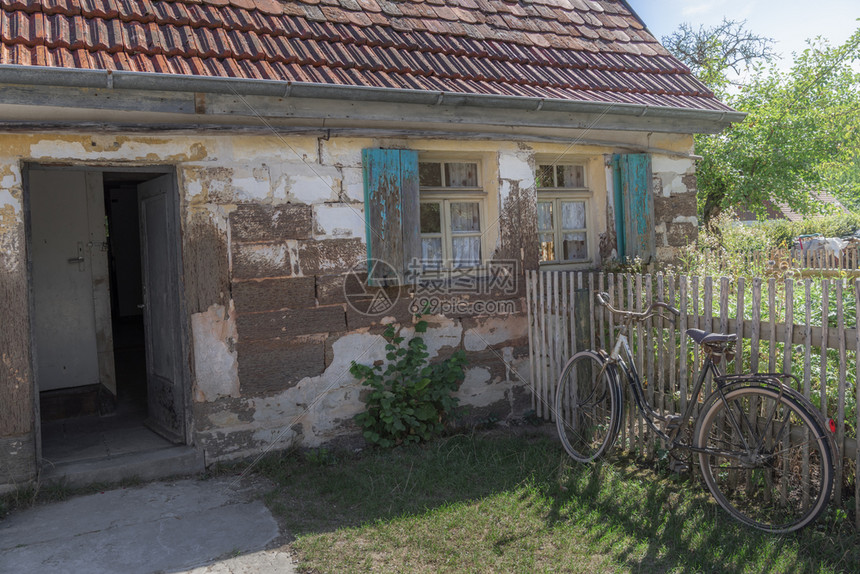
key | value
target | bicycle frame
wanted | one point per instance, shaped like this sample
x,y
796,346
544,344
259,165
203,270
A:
x,y
635,383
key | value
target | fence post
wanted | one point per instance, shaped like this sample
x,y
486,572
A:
x,y
755,333
669,393
789,325
857,404
708,312
840,411
684,325
530,317
739,327
825,331
541,410
554,340
640,355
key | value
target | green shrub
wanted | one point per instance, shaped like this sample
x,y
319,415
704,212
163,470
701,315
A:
x,y
781,234
751,250
410,399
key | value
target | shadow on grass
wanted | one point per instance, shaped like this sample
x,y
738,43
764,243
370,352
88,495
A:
x,y
639,518
672,524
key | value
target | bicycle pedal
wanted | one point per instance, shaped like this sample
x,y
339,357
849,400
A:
x,y
678,466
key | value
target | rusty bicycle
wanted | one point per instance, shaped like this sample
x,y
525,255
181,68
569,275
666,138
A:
x,y
765,452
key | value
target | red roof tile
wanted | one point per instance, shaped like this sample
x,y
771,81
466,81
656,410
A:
x,y
568,49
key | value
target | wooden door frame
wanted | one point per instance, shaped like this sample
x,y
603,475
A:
x,y
186,350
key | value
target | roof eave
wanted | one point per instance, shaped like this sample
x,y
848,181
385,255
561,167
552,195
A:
x,y
108,79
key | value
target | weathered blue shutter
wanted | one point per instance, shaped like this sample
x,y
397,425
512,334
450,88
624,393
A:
x,y
390,213
634,205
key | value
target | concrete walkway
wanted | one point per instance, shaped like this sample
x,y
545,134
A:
x,y
210,526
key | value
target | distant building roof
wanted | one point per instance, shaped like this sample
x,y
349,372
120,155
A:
x,y
781,211
582,50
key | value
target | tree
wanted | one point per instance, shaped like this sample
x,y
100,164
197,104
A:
x,y
711,53
802,131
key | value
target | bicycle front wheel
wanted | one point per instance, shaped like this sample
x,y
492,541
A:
x,y
587,406
770,464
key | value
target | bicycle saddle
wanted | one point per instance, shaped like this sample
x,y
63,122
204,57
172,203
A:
x,y
705,338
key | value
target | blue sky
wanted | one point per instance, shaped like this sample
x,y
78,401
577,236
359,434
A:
x,y
789,22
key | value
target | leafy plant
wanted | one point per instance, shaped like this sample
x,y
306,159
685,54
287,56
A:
x,y
410,399
321,457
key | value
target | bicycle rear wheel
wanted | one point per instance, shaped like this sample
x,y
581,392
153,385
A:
x,y
774,470
588,406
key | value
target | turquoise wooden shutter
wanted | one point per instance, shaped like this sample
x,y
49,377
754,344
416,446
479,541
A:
x,y
634,206
391,213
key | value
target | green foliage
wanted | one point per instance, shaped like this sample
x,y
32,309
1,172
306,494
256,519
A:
x,y
410,400
802,131
781,234
727,248
321,457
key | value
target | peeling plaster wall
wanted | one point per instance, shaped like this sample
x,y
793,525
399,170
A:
x,y
270,228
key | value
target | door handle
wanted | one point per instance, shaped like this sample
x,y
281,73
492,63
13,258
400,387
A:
x,y
76,260
141,306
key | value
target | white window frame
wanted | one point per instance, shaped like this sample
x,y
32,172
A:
x,y
445,196
557,195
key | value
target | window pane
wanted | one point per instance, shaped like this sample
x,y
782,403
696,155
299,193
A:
x,y
544,215
571,176
575,246
431,252
430,174
467,251
465,217
573,215
547,247
544,176
431,218
461,175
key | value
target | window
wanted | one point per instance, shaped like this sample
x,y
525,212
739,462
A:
x,y
451,212
563,213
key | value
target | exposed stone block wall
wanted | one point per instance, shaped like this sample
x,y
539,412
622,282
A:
x,y
675,220
295,331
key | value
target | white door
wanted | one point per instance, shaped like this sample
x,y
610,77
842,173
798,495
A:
x,y
159,240
74,345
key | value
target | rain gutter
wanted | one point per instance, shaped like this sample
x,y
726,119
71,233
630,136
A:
x,y
109,79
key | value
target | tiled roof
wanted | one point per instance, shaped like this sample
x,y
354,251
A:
x,y
827,203
586,50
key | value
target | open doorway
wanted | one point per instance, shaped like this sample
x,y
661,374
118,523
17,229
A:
x,y
108,331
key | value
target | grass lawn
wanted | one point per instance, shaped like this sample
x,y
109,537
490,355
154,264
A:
x,y
492,502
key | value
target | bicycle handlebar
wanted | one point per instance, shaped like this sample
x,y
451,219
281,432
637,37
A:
x,y
603,299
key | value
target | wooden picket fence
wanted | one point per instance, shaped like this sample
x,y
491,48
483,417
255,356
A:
x,y
564,317
802,259
848,259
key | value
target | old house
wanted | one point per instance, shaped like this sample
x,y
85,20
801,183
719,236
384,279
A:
x,y
190,190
